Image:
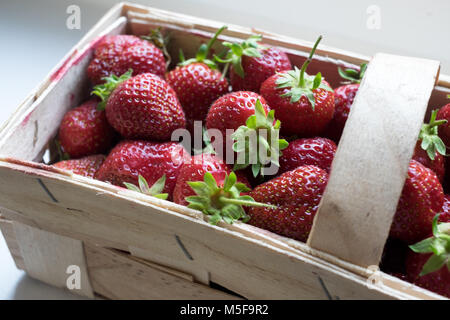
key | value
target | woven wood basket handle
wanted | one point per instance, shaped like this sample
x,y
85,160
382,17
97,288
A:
x,y
372,159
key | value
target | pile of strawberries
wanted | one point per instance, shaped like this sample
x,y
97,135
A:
x,y
122,135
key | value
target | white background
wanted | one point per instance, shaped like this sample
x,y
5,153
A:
x,y
34,37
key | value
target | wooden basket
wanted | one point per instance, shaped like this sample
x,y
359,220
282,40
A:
x,y
130,246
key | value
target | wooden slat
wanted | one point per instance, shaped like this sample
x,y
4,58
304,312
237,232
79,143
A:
x,y
47,256
250,267
116,275
9,234
199,274
179,262
372,158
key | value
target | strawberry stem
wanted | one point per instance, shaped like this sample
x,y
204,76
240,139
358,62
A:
x,y
249,48
203,52
431,142
301,83
213,39
352,75
246,203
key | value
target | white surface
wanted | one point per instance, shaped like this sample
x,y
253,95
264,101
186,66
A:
x,y
34,37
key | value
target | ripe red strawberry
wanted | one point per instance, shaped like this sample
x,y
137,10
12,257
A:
x,y
303,103
422,197
116,54
430,150
247,113
195,171
85,131
309,151
129,159
437,165
232,110
444,129
87,166
252,63
296,194
198,83
343,100
141,107
428,264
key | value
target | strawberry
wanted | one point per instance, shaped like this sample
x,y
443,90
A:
x,y
232,110
248,114
444,130
437,165
252,63
84,130
195,171
116,54
87,166
308,151
343,100
141,107
422,197
430,150
197,82
296,195
428,264
129,159
303,103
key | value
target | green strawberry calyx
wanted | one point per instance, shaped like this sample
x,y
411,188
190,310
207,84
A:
x,y
104,90
352,75
430,138
202,53
221,203
157,38
300,83
265,131
438,245
249,48
155,190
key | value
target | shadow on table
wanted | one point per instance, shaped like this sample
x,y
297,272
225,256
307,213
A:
x,y
28,288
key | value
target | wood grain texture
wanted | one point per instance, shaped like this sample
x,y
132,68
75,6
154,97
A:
x,y
179,261
251,267
117,275
372,159
47,257
9,234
